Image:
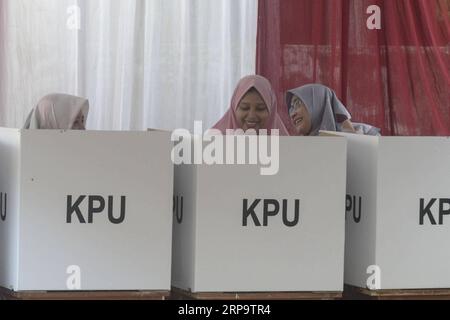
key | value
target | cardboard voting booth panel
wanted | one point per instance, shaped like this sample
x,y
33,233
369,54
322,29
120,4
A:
x,y
87,211
236,230
398,213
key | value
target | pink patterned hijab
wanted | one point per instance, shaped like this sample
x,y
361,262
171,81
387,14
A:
x,y
264,88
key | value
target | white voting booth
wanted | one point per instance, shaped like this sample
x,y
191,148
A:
x,y
236,230
85,210
398,213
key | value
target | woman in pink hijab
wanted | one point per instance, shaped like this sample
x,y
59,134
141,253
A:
x,y
253,107
59,111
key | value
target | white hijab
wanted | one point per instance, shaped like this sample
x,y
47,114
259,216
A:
x,y
57,111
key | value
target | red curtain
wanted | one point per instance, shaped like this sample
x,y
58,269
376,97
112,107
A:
x,y
396,78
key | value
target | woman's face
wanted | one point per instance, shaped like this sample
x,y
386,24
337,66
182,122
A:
x,y
79,123
252,112
300,117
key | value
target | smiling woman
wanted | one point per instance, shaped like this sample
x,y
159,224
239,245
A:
x,y
252,112
316,107
253,106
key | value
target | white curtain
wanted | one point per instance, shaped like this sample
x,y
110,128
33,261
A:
x,y
141,63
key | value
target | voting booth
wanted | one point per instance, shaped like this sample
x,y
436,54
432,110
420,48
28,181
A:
x,y
398,213
239,231
85,211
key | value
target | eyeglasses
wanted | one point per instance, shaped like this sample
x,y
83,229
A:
x,y
296,105
295,108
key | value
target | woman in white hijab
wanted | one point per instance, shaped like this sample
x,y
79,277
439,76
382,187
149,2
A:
x,y
315,107
59,111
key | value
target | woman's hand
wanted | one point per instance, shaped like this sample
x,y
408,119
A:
x,y
347,126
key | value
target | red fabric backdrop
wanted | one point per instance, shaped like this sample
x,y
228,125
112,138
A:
x,y
396,78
